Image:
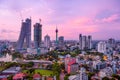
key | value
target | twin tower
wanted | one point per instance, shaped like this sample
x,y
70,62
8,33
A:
x,y
25,35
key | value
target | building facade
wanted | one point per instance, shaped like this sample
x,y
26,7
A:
x,y
61,40
37,35
47,41
89,42
25,34
101,47
85,42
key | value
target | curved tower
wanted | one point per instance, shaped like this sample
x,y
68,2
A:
x,y
25,34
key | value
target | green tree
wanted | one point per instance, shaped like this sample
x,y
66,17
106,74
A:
x,y
66,76
31,71
56,69
30,64
116,76
10,77
90,74
105,78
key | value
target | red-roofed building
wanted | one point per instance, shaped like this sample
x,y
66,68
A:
x,y
49,78
36,77
19,76
72,68
70,65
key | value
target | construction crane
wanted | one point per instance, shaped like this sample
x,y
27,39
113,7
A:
x,y
21,17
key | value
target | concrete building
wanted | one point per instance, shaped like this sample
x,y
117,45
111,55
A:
x,y
25,34
61,40
72,67
89,42
106,72
69,60
47,41
99,65
84,42
6,58
37,35
80,41
81,76
101,47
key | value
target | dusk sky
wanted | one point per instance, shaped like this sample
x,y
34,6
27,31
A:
x,y
99,18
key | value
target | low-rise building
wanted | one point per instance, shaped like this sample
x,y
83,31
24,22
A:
x,y
72,68
106,72
6,58
81,76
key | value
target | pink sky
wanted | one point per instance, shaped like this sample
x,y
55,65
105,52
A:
x,y
99,18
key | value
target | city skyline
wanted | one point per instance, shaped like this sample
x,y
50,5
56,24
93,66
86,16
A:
x,y
99,18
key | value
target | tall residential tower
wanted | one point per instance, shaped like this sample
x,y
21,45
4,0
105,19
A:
x,y
25,34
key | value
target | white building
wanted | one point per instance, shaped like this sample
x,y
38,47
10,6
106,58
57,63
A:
x,y
47,41
83,75
106,72
99,65
101,47
6,58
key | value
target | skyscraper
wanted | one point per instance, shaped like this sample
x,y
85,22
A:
x,y
84,42
80,41
56,35
61,40
25,34
37,34
47,41
89,42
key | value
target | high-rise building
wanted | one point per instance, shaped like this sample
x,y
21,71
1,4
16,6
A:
x,y
83,75
80,41
89,42
25,34
84,42
101,47
111,42
37,35
47,41
61,40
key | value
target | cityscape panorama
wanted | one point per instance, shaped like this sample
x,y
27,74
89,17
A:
x,y
59,40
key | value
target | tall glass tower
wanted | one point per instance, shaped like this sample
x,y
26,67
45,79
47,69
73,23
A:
x,y
25,34
37,35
